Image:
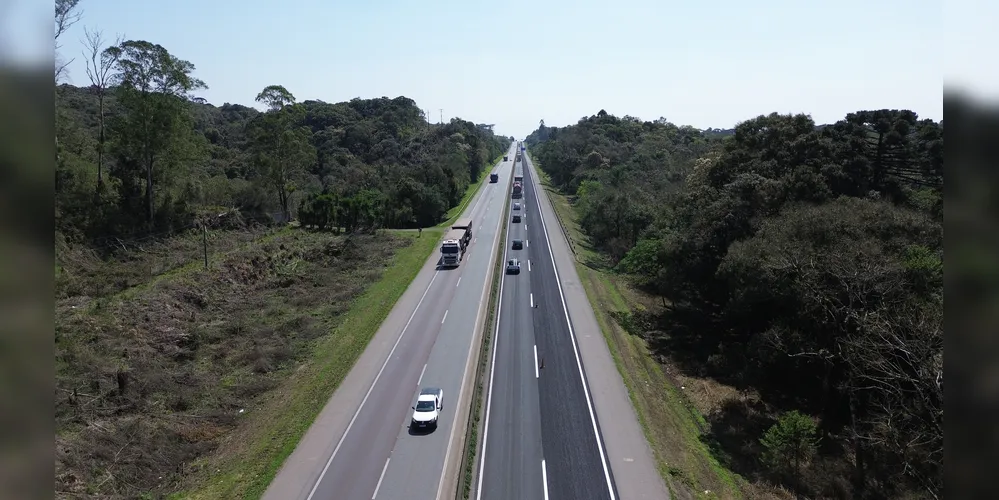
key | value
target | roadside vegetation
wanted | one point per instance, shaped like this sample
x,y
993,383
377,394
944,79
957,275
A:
x,y
772,294
219,269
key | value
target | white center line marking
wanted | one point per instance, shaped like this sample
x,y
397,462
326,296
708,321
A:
x,y
527,243
528,265
476,239
536,374
459,281
421,375
444,318
544,478
525,227
532,300
379,485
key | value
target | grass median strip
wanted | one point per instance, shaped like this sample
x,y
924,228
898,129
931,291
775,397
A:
x,y
671,424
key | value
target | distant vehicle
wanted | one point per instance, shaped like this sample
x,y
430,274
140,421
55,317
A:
x,y
428,407
516,218
518,244
518,191
506,157
516,206
513,266
493,178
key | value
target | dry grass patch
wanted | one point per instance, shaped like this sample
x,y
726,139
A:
x,y
151,382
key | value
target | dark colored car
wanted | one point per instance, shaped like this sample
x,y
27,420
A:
x,y
518,244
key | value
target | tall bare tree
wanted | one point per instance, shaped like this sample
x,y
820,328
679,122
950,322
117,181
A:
x,y
100,64
66,15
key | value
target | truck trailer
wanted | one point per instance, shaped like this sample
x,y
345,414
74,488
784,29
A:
x,y
518,191
453,248
464,224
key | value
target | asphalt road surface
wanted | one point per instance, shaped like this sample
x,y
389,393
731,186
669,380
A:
x,y
624,446
360,446
541,433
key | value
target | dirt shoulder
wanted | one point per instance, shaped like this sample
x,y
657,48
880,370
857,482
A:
x,y
172,377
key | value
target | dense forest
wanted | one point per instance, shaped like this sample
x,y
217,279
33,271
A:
x,y
138,154
801,262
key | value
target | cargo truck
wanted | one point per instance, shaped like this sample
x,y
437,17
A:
x,y
518,191
453,248
506,157
493,178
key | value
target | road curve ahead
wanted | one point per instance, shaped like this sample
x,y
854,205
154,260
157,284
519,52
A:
x,y
541,435
348,452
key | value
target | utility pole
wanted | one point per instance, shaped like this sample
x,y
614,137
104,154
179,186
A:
x,y
442,116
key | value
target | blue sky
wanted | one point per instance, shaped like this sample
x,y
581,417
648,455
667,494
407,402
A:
x,y
514,62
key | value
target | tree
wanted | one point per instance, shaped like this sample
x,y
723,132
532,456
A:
x,y
790,443
66,15
275,97
153,88
282,150
100,64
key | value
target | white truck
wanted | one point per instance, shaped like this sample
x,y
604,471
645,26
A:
x,y
456,242
427,411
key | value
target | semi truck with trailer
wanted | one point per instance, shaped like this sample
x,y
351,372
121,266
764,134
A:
x,y
456,243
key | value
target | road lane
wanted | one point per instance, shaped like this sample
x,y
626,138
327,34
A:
x,y
512,453
630,457
418,458
344,453
575,462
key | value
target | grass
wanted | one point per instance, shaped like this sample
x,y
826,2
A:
x,y
452,215
174,378
672,423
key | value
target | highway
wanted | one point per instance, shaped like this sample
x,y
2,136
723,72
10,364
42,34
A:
x,y
360,446
541,434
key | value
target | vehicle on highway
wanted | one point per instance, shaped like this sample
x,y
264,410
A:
x,y
428,407
493,178
456,242
518,244
516,217
516,206
513,266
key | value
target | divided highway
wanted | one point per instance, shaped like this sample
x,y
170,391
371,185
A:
x,y
360,446
541,437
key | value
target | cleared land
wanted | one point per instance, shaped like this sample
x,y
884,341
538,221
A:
x,y
175,377
670,404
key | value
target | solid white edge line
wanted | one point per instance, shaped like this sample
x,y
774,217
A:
x,y
461,390
373,384
579,363
544,477
444,318
420,381
458,283
536,374
381,477
492,371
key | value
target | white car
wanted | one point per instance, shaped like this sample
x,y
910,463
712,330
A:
x,y
428,408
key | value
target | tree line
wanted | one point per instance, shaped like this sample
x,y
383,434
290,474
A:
x,y
804,262
138,152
